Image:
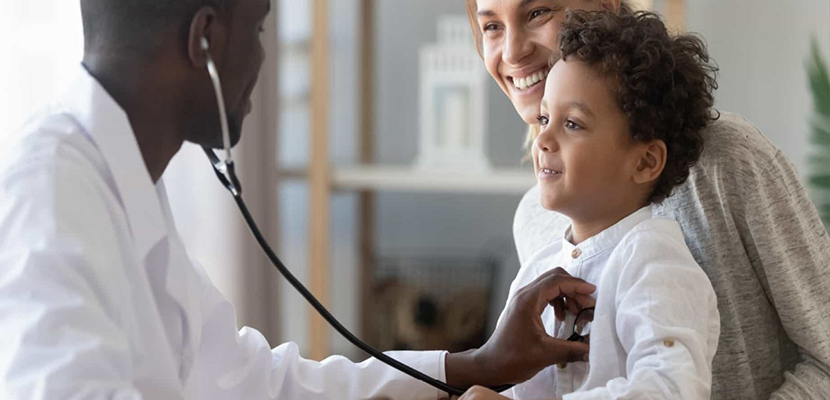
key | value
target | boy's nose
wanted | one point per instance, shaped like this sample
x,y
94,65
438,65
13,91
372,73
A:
x,y
546,143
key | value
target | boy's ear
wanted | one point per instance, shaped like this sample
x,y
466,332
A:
x,y
610,5
651,163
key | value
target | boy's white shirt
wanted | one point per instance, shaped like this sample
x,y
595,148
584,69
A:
x,y
656,323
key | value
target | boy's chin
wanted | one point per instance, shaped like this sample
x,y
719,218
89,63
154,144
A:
x,y
550,204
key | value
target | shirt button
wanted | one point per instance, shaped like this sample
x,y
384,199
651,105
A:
x,y
576,253
668,343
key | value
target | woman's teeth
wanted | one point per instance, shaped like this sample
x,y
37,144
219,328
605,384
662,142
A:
x,y
548,171
533,79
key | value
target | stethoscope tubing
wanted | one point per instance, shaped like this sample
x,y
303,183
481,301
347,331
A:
x,y
226,174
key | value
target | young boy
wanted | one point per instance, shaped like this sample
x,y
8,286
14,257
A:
x,y
621,122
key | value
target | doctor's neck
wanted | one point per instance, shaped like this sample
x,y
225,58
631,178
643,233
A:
x,y
150,94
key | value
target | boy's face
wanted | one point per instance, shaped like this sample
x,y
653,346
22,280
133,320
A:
x,y
584,156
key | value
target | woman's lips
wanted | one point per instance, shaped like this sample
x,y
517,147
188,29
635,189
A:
x,y
527,82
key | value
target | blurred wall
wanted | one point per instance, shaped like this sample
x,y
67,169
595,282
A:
x,y
761,47
41,44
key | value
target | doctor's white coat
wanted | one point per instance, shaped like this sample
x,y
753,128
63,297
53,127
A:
x,y
99,300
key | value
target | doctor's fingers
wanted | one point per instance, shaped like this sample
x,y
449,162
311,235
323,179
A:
x,y
559,304
550,286
480,393
563,305
557,351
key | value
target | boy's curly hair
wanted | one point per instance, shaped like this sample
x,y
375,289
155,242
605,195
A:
x,y
664,83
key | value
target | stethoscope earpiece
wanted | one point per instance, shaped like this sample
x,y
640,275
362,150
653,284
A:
x,y
223,167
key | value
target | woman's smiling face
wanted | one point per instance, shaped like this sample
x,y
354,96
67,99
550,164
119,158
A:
x,y
517,39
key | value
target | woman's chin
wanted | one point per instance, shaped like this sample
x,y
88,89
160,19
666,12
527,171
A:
x,y
528,113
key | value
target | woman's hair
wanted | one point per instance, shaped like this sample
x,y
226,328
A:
x,y
472,9
664,83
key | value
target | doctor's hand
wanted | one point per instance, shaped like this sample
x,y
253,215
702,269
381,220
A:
x,y
520,347
565,304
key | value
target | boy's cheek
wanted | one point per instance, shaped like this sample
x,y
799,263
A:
x,y
534,154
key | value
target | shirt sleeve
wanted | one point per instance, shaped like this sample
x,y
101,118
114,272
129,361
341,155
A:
x,y
337,377
59,313
240,364
666,321
790,250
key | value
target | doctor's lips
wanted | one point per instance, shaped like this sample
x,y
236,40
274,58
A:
x,y
526,82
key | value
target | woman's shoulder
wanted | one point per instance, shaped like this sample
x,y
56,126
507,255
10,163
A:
x,y
733,141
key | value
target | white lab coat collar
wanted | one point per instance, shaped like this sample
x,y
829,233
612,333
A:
x,y
605,240
109,128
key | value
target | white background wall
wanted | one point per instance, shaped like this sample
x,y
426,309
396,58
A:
x,y
761,47
41,44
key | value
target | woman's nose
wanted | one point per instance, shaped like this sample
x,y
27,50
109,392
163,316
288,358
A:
x,y
516,47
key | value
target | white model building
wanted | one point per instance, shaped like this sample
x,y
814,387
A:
x,y
453,98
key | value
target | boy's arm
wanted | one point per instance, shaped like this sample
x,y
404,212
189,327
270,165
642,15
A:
x,y
791,252
666,321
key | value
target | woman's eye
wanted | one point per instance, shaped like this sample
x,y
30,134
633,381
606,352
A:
x,y
543,120
489,27
573,126
538,13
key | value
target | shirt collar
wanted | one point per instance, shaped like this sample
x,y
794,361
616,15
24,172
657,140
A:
x,y
606,239
109,128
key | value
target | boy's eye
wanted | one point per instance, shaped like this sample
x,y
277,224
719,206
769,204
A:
x,y
570,125
543,120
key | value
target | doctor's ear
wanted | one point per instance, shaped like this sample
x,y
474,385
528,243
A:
x,y
206,34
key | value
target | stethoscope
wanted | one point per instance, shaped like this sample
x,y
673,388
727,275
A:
x,y
227,175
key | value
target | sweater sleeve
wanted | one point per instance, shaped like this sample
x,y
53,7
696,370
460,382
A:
x,y
790,251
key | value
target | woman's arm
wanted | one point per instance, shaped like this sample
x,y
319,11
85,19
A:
x,y
790,249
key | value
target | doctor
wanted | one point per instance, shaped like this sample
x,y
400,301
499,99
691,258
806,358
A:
x,y
98,299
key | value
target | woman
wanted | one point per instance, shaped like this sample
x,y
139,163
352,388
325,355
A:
x,y
745,216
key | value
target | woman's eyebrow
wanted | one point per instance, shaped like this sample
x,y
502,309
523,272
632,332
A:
x,y
489,13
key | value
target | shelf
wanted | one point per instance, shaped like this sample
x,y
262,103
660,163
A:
x,y
510,181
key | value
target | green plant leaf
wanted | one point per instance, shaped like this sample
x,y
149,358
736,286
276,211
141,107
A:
x,y
819,161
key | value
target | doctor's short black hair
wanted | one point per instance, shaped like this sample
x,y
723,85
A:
x,y
664,82
140,26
